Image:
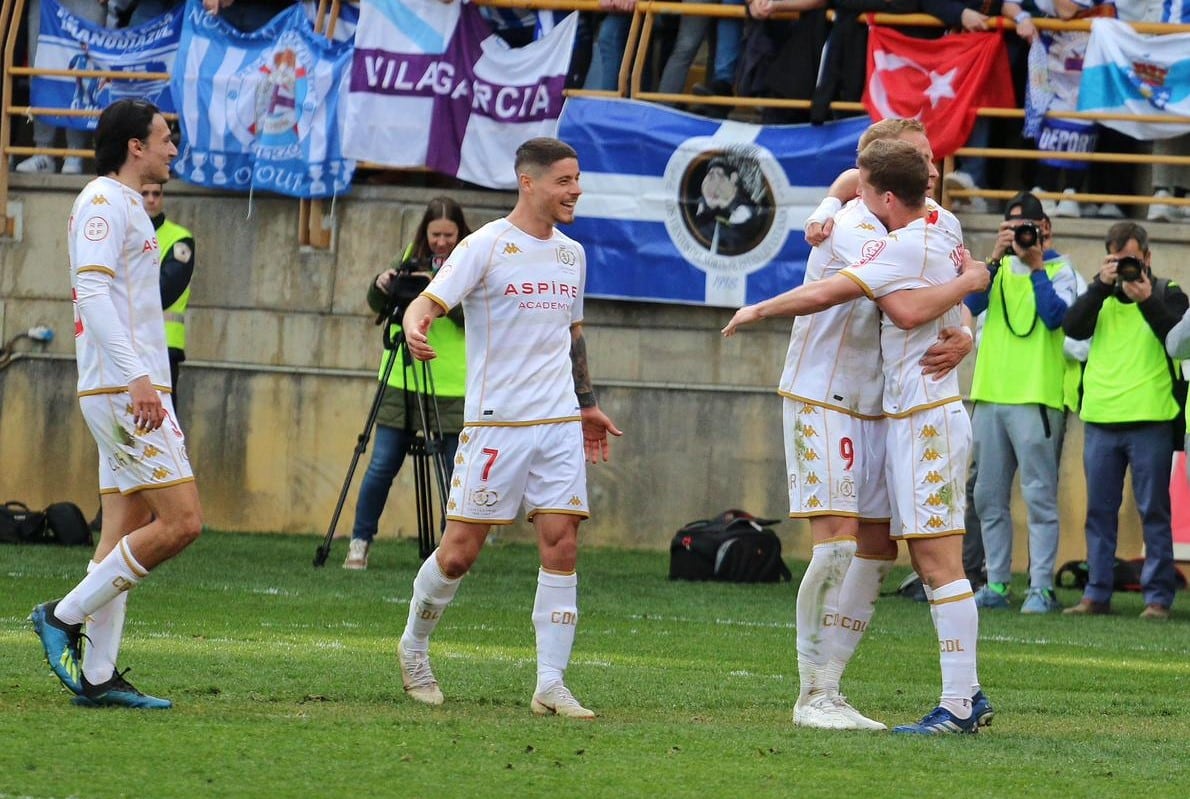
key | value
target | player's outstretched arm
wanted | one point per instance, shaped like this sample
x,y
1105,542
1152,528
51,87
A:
x,y
910,308
596,424
805,299
416,325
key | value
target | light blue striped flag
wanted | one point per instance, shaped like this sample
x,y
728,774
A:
x,y
681,208
262,110
1125,72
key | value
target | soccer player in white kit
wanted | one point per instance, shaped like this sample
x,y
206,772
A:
x,y
925,250
530,415
149,499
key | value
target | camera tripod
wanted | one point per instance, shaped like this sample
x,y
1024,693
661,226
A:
x,y
426,451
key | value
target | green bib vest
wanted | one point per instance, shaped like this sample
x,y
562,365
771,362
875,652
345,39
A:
x,y
1025,367
1127,378
169,234
449,369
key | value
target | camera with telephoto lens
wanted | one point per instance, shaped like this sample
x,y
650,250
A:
x,y
1130,269
1026,235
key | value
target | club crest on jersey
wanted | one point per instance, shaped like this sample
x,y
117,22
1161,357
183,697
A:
x,y
871,249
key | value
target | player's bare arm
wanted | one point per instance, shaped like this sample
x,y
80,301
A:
x,y
416,324
911,308
844,189
805,299
596,424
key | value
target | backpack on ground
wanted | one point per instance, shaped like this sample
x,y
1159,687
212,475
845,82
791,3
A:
x,y
20,525
1125,575
734,547
66,525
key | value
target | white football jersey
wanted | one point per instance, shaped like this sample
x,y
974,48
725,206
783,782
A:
x,y
520,295
115,276
926,252
834,357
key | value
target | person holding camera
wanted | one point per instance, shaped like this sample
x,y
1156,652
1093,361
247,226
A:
x,y
1128,410
1019,415
442,226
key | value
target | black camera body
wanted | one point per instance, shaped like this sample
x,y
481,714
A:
x,y
1026,235
1130,269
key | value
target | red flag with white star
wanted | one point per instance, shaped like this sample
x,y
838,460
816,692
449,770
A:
x,y
939,81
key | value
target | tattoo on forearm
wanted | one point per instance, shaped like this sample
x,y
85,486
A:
x,y
582,375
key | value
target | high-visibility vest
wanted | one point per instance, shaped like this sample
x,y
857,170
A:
x,y
169,234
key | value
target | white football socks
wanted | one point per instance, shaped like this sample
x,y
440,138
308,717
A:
x,y
856,604
956,619
104,632
817,601
555,619
432,592
115,574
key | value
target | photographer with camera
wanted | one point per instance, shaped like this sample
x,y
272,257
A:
x,y
442,226
1019,415
1129,411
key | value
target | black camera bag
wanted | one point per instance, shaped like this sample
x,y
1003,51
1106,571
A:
x,y
19,525
66,525
732,547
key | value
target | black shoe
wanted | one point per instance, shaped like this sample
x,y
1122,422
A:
x,y
118,692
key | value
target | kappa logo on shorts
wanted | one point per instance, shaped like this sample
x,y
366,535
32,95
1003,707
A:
x,y
151,451
459,459
812,479
813,502
928,431
935,522
575,501
160,473
933,500
452,505
456,483
810,455
933,477
931,454
806,408
808,431
464,438
484,497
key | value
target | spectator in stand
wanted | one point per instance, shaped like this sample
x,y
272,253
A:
x,y
44,133
781,57
692,31
1055,71
1169,180
610,42
1018,390
246,15
1128,413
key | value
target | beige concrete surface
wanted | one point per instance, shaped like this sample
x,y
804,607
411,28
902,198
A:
x,y
282,351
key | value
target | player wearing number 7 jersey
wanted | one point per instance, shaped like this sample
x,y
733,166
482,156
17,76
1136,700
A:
x,y
530,415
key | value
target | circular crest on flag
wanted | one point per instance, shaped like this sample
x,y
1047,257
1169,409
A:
x,y
722,208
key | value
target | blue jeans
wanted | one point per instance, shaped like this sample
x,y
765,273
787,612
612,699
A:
x,y
1107,452
610,42
691,32
390,446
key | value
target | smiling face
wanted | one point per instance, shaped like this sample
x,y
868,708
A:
x,y
442,235
554,192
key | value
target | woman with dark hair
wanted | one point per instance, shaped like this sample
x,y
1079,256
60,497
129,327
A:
x,y
398,421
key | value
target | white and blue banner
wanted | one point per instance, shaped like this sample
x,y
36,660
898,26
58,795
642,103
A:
x,y
432,86
684,209
68,42
1125,72
262,110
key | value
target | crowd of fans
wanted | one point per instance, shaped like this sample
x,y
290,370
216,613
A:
x,y
811,57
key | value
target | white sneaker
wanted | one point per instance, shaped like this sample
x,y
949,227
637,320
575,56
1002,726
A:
x,y
558,701
1048,206
357,554
1110,211
419,681
1067,207
825,712
1161,212
72,165
34,164
862,722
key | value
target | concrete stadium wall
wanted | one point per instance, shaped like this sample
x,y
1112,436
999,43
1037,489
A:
x,y
282,353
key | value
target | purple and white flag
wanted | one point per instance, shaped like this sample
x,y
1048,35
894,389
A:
x,y
432,86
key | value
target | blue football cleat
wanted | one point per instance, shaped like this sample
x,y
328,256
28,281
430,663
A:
x,y
118,692
981,709
940,721
61,644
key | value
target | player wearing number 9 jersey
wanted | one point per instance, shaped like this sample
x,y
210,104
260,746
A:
x,y
530,415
